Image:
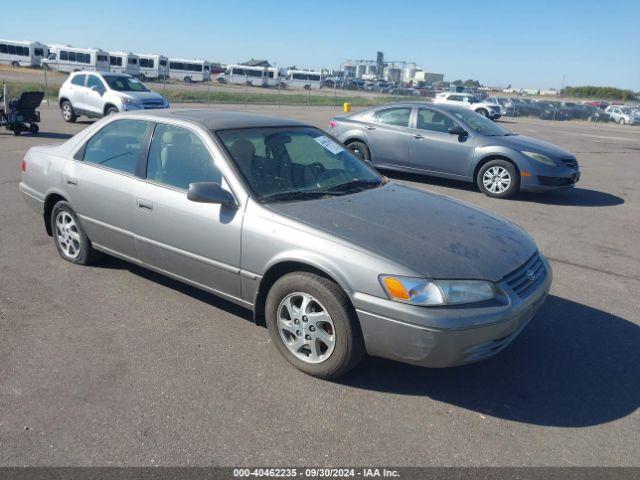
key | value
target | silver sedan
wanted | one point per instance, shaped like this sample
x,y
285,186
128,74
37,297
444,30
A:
x,y
454,142
277,216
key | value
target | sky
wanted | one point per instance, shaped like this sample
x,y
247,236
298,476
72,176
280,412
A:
x,y
523,43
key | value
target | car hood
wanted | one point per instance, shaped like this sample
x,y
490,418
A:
x,y
141,96
431,234
529,144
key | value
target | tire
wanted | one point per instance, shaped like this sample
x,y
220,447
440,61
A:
x,y
502,169
483,112
15,64
341,330
360,150
142,77
72,243
188,80
111,111
34,128
621,121
68,113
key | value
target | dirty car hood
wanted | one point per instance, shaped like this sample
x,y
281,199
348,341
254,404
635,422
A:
x,y
434,235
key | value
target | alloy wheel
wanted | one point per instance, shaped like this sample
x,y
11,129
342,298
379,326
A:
x,y
306,328
66,111
68,235
496,179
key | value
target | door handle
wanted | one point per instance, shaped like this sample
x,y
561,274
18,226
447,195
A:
x,y
370,127
418,136
144,204
71,181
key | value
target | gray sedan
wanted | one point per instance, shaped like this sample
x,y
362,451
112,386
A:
x,y
278,217
454,142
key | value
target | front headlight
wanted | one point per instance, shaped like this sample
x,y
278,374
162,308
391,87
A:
x,y
420,291
130,102
538,157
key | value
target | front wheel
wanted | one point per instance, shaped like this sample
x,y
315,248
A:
x,y
621,121
313,325
111,111
498,179
360,150
72,243
187,80
483,112
68,114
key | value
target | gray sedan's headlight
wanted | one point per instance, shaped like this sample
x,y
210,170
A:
x,y
420,291
131,102
538,157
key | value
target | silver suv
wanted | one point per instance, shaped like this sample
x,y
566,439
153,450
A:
x,y
97,94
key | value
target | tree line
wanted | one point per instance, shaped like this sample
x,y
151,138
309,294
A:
x,y
609,93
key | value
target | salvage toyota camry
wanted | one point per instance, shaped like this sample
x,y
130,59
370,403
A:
x,y
277,216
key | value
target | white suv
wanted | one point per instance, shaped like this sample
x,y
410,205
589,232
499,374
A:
x,y
96,94
467,100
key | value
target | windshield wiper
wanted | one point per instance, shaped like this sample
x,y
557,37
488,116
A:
x,y
355,185
296,195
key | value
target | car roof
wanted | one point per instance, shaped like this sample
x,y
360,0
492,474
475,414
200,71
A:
x,y
99,73
222,119
436,106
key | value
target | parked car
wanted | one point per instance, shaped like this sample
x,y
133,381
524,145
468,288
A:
x,y
454,142
552,110
276,216
97,94
466,100
622,115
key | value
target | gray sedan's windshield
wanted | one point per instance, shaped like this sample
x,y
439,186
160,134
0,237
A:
x,y
296,163
480,124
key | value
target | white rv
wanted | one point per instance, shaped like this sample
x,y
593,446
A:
x,y
153,66
189,70
307,79
124,62
256,76
65,58
22,53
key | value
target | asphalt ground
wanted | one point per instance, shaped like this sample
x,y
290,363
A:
x,y
114,365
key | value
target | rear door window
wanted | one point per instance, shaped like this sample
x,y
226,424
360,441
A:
x,y
78,80
398,117
117,146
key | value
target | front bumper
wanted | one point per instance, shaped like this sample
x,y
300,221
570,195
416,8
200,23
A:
x,y
446,336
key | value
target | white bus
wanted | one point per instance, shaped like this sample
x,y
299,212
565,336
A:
x,y
189,70
306,79
65,58
124,62
256,76
22,54
153,66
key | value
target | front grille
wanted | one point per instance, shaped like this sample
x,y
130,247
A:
x,y
524,280
153,104
570,162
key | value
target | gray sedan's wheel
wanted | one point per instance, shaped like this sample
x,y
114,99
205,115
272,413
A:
x,y
313,325
68,114
70,240
483,112
498,179
360,150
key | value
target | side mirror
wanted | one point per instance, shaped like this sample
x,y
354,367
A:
x,y
209,192
97,89
458,130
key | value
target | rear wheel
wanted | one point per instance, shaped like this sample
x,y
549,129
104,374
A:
x,y
483,112
498,179
360,150
313,326
111,110
187,80
142,77
68,114
72,243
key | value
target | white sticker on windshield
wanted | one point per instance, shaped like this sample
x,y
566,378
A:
x,y
329,144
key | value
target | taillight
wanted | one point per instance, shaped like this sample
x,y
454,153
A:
x,y
332,124
24,166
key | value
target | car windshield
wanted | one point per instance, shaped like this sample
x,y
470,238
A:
x,y
296,163
124,84
480,124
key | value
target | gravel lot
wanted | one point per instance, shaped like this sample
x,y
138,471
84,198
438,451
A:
x,y
114,365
